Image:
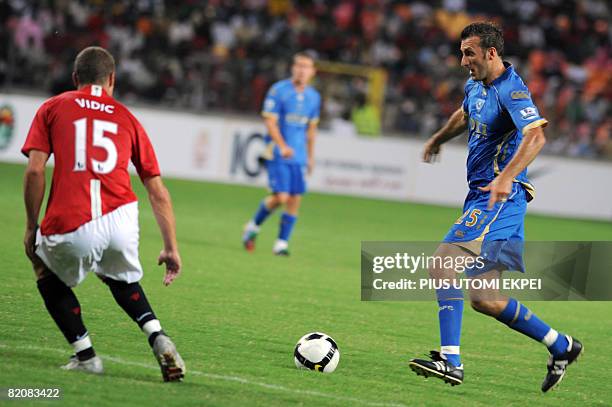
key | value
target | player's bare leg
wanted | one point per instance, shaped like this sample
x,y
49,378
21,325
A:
x,y
446,363
64,308
266,207
288,218
487,300
293,204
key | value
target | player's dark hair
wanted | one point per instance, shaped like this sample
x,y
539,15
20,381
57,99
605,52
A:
x,y
310,54
490,35
93,65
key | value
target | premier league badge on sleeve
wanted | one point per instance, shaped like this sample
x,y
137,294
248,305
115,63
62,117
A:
x,y
529,113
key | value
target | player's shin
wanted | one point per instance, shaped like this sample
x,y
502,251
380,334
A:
x,y
287,222
64,308
521,319
263,211
450,314
132,299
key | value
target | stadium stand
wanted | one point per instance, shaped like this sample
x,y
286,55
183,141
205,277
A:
x,y
221,55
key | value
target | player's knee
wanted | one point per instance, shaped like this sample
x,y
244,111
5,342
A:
x,y
492,308
43,273
112,284
271,202
41,270
293,204
282,199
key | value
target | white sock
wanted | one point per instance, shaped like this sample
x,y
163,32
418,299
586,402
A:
x,y
151,326
251,226
81,344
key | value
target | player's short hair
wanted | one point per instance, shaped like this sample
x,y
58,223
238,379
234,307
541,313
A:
x,y
310,54
490,35
93,65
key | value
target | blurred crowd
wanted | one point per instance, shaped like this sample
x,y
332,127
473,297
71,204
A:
x,y
222,55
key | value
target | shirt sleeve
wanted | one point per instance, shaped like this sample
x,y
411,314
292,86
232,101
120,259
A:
x,y
272,103
38,137
143,154
316,111
522,110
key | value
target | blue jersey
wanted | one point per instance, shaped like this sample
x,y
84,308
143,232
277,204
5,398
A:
x,y
499,114
294,112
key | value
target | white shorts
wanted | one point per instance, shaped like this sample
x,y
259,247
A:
x,y
108,246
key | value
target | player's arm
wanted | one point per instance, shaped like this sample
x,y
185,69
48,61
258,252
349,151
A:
x,y
531,145
455,125
34,192
164,214
272,108
525,116
311,134
271,123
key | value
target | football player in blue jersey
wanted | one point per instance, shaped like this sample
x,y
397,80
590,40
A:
x,y
505,134
291,114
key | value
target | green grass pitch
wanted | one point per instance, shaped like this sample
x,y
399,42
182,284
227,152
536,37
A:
x,y
235,316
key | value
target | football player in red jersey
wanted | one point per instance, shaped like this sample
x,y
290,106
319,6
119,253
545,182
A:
x,y
91,221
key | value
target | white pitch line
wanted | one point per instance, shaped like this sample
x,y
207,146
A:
x,y
213,376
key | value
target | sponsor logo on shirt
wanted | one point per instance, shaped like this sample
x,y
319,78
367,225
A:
x,y
296,119
529,113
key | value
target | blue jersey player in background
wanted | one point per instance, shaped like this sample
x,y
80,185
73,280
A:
x,y
291,114
505,135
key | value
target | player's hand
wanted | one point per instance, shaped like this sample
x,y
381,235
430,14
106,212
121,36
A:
x,y
172,260
286,151
311,164
431,150
499,190
28,241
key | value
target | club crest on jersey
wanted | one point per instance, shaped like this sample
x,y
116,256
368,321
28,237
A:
x,y
95,105
479,104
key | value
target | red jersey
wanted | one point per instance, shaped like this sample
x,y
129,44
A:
x,y
93,138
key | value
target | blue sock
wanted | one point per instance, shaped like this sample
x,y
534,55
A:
x,y
450,314
521,319
262,213
286,226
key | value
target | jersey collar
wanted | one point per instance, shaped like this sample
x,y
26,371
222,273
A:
x,y
88,89
504,75
295,89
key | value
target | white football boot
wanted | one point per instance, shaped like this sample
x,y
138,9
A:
x,y
93,365
170,362
281,248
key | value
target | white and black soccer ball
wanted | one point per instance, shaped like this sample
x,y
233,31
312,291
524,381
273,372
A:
x,y
316,351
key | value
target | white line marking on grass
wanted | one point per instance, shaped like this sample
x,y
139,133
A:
x,y
213,376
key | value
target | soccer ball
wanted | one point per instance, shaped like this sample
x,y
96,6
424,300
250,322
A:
x,y
316,351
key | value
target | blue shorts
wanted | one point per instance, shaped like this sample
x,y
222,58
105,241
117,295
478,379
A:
x,y
286,178
496,235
